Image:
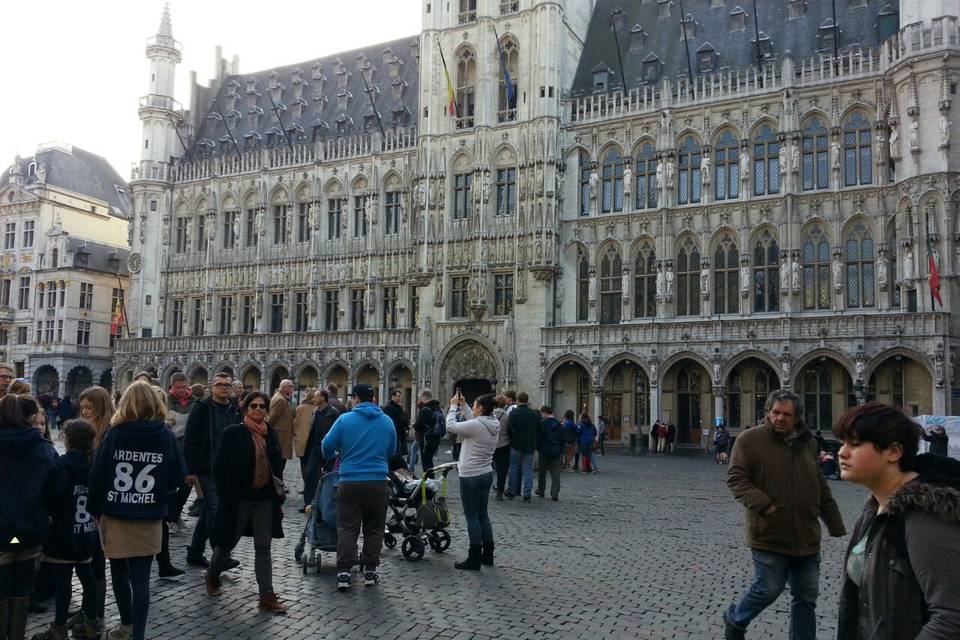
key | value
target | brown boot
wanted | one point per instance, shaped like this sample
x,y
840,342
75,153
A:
x,y
213,585
271,603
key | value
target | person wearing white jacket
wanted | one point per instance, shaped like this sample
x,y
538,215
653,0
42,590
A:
x,y
479,439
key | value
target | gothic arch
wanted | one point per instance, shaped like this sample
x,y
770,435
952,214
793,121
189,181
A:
x,y
906,352
682,238
808,115
395,363
470,355
852,222
197,369
644,139
392,181
720,233
606,245
279,194
841,359
273,368
363,364
623,356
607,147
722,128
461,161
672,360
743,356
759,123
689,132
642,241
201,206
757,232
569,358
166,373
825,227
224,365
303,365
359,183
858,106
505,155
333,187
334,364
228,202
303,190
251,199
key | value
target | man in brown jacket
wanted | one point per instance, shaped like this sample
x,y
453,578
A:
x,y
774,474
281,419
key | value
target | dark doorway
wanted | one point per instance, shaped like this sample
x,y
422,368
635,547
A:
x,y
688,403
471,388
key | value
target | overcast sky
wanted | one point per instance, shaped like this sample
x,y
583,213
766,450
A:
x,y
75,70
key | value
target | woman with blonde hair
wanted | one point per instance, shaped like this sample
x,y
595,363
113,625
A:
x,y
96,407
136,466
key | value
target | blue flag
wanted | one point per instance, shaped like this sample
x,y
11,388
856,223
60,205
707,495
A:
x,y
511,89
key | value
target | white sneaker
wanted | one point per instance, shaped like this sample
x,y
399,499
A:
x,y
343,580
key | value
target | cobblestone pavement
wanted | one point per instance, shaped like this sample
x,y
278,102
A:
x,y
650,547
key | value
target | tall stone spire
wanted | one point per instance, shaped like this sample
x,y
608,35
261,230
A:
x,y
166,27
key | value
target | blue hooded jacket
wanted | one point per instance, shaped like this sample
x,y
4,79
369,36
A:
x,y
73,532
137,464
31,483
365,438
586,433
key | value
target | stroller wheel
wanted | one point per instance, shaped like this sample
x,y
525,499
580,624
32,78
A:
x,y
389,541
412,549
298,551
440,540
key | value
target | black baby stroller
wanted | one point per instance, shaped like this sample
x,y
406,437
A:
x,y
419,514
320,532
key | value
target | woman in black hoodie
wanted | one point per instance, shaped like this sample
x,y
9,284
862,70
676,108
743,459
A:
x,y
73,537
902,562
32,481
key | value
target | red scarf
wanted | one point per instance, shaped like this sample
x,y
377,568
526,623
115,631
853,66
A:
x,y
258,433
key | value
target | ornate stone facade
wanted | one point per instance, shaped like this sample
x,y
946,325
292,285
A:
x,y
673,249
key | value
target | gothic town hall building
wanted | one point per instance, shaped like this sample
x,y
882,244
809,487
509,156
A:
x,y
658,215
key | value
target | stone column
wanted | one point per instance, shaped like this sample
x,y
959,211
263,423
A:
x,y
597,403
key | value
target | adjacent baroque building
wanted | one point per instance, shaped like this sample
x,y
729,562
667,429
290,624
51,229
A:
x,y
63,268
657,215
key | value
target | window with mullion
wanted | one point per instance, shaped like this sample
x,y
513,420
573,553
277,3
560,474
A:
x,y
462,202
815,257
280,222
391,212
331,309
251,224
583,287
689,180
645,284
584,185
301,303
726,169
183,224
390,307
611,182
303,222
646,177
506,191
229,224
816,167
502,294
611,292
334,213
458,296
688,280
766,163
766,275
859,251
359,216
276,312
857,151
358,319
725,272
226,314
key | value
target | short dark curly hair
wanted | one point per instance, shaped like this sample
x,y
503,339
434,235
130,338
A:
x,y
882,426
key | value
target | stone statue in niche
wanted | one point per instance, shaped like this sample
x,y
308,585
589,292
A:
x,y
915,136
782,161
627,183
795,274
669,277
837,270
594,184
705,168
795,157
420,195
592,287
835,154
784,275
41,172
486,186
625,285
670,171
894,142
882,271
705,280
744,165
659,175
944,133
908,273
260,221
745,279
661,282
236,231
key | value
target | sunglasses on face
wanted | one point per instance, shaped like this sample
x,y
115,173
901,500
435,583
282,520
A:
x,y
258,405
223,385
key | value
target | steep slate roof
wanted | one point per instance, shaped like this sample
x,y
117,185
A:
x,y
325,87
735,49
81,172
99,256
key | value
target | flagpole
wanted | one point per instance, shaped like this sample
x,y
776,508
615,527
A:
x,y
686,46
446,73
616,40
930,260
369,92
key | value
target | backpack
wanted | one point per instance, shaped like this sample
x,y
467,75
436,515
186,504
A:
x,y
439,429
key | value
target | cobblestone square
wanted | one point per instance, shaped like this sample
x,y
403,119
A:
x,y
650,547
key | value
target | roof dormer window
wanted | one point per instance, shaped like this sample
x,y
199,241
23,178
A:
x,y
828,35
638,39
765,47
663,8
688,28
652,68
706,58
798,9
738,19
601,80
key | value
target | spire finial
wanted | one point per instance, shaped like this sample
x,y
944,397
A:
x,y
166,28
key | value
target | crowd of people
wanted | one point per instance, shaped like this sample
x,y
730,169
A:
x,y
129,467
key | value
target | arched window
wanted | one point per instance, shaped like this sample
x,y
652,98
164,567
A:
x,y
201,231
611,292
507,100
641,390
817,392
859,252
645,283
815,257
646,188
764,381
766,162
689,390
726,297
231,228
766,274
689,180
816,165
734,399
688,279
726,168
466,83
857,152
584,184
612,182
583,286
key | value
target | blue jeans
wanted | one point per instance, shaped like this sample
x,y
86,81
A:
x,y
414,453
474,494
772,571
520,463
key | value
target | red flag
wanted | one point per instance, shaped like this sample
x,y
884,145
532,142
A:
x,y
934,275
117,322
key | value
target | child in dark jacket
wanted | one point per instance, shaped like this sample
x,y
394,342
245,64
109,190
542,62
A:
x,y
31,479
73,536
586,434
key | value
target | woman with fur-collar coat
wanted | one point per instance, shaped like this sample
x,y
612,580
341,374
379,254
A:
x,y
902,564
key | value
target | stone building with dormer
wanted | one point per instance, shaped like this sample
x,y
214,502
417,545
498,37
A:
x,y
63,267
662,215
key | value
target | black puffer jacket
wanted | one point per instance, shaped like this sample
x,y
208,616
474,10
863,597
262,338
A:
x,y
911,562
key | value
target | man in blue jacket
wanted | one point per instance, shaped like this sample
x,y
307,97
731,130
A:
x,y
365,439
